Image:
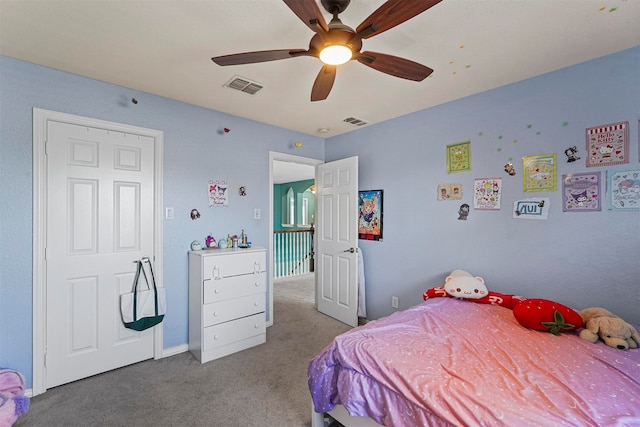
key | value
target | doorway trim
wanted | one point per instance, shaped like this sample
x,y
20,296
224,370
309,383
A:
x,y
273,156
41,118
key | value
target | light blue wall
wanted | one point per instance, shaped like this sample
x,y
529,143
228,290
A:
x,y
579,259
194,152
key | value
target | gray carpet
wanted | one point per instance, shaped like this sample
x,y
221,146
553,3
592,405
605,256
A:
x,y
264,386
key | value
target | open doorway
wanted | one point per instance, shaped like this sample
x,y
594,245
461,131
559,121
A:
x,y
284,168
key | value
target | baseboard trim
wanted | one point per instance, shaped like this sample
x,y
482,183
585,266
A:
x,y
168,352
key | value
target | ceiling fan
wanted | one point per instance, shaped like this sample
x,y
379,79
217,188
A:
x,y
336,43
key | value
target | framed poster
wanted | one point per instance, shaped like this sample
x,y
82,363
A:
x,y
581,192
487,193
624,190
370,215
539,172
459,157
608,144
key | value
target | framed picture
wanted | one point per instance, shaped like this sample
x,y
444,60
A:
x,y
370,215
539,172
624,190
608,144
581,192
459,157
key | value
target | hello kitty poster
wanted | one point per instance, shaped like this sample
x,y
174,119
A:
x,y
608,144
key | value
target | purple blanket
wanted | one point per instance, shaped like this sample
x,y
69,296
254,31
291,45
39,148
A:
x,y
451,362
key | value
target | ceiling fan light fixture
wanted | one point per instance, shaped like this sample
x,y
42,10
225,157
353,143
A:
x,y
335,54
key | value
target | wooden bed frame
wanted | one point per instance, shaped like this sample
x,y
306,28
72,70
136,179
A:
x,y
339,413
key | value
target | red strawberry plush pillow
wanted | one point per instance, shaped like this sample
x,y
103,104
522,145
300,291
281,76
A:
x,y
548,316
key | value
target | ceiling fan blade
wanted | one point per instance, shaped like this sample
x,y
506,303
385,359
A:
x,y
395,66
259,56
309,13
392,13
324,82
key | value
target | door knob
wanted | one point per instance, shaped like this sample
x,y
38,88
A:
x,y
352,250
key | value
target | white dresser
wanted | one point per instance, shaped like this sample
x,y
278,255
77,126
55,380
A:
x,y
227,300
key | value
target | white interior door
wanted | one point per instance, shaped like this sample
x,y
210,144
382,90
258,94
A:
x,y
337,239
100,219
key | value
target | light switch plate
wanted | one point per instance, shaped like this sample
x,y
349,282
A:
x,y
256,213
169,213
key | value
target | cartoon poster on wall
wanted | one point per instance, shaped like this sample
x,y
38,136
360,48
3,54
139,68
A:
x,y
581,192
459,157
370,215
624,190
218,195
539,172
487,193
449,192
533,208
608,145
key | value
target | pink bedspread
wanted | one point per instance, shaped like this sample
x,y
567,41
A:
x,y
451,362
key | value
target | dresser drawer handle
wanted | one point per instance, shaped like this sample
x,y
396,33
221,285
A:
x,y
217,291
256,326
257,283
255,304
215,314
215,337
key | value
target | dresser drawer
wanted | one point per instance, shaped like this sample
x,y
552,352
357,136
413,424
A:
x,y
233,287
236,330
220,312
233,264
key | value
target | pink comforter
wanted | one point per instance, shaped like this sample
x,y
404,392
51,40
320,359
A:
x,y
451,362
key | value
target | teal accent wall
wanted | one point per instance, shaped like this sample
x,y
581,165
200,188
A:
x,y
279,191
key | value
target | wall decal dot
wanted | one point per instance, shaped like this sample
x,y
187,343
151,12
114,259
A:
x,y
602,8
565,123
613,9
455,72
529,126
499,136
538,133
480,133
467,66
515,141
499,149
461,46
450,62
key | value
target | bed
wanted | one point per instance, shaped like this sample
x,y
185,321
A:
x,y
449,362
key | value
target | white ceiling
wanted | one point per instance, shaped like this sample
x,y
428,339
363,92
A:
x,y
164,48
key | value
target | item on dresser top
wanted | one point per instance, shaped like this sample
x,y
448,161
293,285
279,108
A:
x,y
210,241
143,308
196,246
222,243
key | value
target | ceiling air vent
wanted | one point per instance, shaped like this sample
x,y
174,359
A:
x,y
243,85
356,122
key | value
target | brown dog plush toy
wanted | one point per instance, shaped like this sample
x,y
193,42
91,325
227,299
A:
x,y
615,332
